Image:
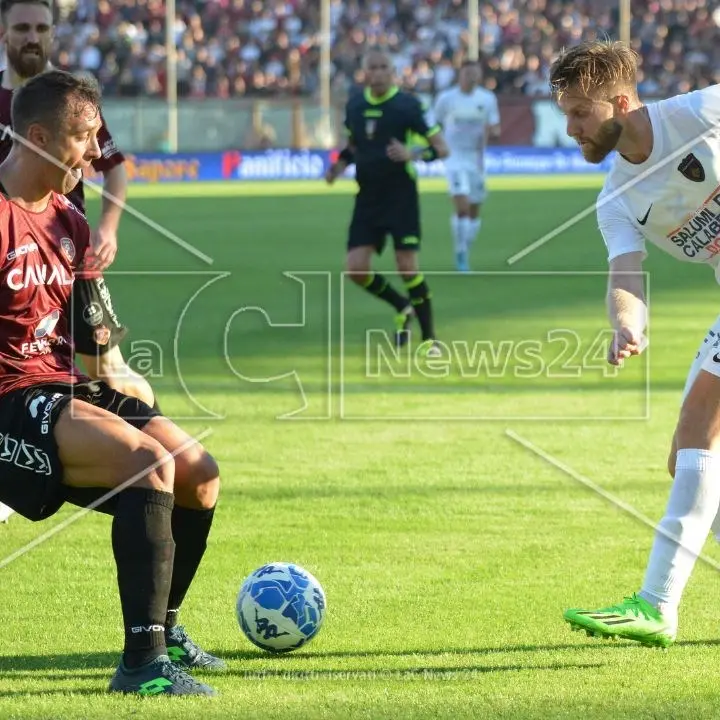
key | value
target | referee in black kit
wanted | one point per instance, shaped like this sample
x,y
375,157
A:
x,y
380,123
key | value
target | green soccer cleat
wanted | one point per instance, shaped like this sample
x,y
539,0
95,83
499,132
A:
x,y
632,619
403,320
158,677
431,349
189,656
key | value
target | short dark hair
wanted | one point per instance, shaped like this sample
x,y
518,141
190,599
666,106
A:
x,y
50,99
595,68
7,5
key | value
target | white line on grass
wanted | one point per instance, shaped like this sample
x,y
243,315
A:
x,y
611,196
613,499
110,493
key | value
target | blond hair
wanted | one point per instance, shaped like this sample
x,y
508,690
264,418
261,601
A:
x,y
596,68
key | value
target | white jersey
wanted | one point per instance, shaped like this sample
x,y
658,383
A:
x,y
673,198
465,118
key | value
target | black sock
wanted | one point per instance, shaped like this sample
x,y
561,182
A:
x,y
143,547
420,298
378,286
190,529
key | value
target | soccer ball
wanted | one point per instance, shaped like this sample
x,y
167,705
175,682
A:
x,y
280,607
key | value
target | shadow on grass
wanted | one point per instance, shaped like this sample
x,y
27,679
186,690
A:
x,y
259,655
12,666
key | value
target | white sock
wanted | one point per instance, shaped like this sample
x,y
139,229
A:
x,y
473,230
465,232
691,510
458,233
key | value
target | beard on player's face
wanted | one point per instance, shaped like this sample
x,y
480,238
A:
x,y
27,60
597,147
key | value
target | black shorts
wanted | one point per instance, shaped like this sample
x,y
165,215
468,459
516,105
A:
x,y
31,474
377,215
95,326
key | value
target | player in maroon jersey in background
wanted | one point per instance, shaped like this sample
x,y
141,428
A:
x,y
66,437
26,28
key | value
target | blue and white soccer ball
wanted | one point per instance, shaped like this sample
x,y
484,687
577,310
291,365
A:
x,y
280,607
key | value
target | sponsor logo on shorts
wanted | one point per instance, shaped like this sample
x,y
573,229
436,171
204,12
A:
x,y
93,314
68,247
47,409
24,455
101,335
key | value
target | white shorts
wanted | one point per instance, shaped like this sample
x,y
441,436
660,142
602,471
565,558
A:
x,y
467,181
707,358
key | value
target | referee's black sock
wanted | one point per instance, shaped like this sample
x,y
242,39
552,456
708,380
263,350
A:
x,y
143,546
420,298
190,529
377,285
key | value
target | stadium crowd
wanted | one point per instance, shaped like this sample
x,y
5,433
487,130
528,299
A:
x,y
262,48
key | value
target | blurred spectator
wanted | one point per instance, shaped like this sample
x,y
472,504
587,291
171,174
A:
x,y
263,48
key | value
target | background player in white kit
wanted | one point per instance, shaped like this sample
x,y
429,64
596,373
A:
x,y
469,115
663,187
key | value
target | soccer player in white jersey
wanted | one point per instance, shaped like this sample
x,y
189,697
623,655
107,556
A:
x,y
469,115
663,188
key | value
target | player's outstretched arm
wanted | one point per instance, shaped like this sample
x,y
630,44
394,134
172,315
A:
x,y
627,307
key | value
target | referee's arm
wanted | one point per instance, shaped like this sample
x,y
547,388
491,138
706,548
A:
x,y
437,147
346,157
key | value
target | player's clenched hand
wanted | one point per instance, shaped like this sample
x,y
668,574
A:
x,y
398,152
104,246
334,172
625,343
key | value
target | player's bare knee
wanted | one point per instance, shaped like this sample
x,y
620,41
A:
x,y
207,493
358,271
197,482
699,422
407,265
153,465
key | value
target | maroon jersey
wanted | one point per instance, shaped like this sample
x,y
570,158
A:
x,y
39,253
111,156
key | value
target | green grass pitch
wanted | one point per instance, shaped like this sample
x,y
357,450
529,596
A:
x,y
447,549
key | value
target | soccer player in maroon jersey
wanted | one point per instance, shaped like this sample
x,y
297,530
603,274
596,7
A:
x,y
65,437
26,27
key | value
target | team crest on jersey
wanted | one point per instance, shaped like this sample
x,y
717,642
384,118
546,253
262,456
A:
x,y
68,248
370,126
692,168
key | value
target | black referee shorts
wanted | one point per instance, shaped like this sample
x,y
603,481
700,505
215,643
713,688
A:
x,y
393,211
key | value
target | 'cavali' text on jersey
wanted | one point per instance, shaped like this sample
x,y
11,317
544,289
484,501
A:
x,y
702,230
34,275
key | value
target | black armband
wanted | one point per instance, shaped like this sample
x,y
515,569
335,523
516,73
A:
x,y
430,154
347,156
427,154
